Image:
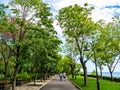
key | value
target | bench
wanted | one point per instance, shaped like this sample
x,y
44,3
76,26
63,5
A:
x,y
19,81
5,84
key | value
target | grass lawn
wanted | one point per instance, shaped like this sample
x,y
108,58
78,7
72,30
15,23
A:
x,y
104,84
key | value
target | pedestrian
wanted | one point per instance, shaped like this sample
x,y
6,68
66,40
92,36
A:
x,y
60,76
64,76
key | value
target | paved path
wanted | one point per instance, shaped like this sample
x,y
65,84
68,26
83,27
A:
x,y
56,84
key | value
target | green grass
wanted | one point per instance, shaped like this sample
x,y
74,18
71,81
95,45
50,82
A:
x,y
104,84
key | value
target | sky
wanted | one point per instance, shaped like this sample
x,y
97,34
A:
x,y
104,9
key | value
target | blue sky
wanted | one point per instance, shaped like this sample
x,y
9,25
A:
x,y
104,9
4,1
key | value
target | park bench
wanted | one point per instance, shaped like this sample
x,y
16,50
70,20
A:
x,y
5,84
19,81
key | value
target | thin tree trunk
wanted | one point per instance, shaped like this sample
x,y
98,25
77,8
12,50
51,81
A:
x,y
97,77
110,71
5,65
35,75
111,74
72,71
16,67
35,78
15,76
46,75
85,74
82,61
6,69
101,72
97,80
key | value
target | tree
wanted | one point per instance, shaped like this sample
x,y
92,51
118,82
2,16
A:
x,y
29,15
70,50
69,60
4,40
76,24
67,64
108,40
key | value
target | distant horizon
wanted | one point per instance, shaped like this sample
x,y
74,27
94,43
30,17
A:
x,y
106,72
115,74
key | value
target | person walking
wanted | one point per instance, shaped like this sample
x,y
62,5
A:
x,y
60,76
64,76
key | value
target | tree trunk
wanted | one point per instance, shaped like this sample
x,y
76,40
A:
x,y
72,71
48,74
101,72
111,74
82,61
84,70
5,65
6,69
15,76
35,78
85,74
110,71
97,78
45,75
16,67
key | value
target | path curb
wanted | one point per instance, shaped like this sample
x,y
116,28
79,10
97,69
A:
x,y
75,84
45,83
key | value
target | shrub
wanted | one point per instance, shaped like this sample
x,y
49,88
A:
x,y
93,72
26,77
105,78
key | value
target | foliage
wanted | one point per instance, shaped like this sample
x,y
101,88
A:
x,y
25,76
104,84
30,37
93,72
78,68
77,25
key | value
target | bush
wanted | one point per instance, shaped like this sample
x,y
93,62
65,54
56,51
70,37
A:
x,y
33,76
105,78
93,72
25,76
4,78
114,78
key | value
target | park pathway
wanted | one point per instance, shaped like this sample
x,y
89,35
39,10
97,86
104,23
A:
x,y
56,84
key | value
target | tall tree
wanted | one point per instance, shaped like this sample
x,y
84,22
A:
x,y
77,24
71,50
4,40
26,15
107,39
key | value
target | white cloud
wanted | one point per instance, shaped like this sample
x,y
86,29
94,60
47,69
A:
x,y
57,28
100,12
